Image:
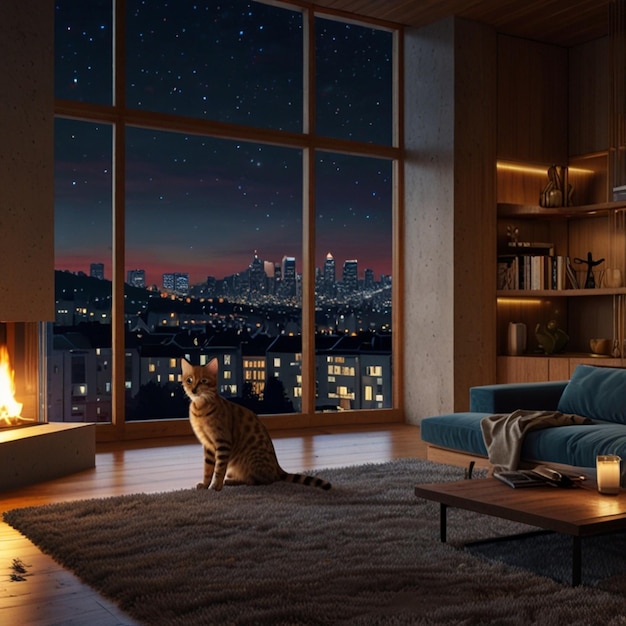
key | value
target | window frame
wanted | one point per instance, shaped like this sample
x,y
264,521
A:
x,y
121,117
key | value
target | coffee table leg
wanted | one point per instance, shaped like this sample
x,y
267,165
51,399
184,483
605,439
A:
x,y
576,561
443,508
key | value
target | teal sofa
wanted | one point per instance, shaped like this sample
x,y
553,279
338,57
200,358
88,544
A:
x,y
598,393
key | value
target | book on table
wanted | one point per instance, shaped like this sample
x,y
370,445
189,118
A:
x,y
537,477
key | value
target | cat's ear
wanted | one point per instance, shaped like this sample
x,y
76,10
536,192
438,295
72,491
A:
x,y
212,366
186,366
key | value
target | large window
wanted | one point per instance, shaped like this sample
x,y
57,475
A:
x,y
223,194
353,290
80,363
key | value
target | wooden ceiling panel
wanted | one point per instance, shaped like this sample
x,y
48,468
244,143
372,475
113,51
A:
x,y
560,22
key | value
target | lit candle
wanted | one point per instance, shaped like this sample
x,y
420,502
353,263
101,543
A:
x,y
608,467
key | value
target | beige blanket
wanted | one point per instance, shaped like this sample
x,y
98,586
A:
x,y
504,433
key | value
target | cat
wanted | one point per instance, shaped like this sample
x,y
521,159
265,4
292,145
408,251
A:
x,y
238,448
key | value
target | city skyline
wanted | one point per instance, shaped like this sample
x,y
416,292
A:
x,y
97,269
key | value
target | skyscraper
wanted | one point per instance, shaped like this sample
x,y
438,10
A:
x,y
257,275
350,276
288,274
329,275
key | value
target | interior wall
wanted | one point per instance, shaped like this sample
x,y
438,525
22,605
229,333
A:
x,y
429,220
450,211
27,160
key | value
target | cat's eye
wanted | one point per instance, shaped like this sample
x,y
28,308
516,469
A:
x,y
204,381
189,380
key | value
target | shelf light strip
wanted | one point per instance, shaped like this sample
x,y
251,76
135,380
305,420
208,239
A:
x,y
518,301
529,169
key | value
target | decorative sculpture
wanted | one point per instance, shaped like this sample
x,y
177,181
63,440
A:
x,y
550,337
590,281
558,192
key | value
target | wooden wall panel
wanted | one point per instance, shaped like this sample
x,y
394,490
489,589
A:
x,y
532,101
589,177
474,203
589,235
27,162
589,74
522,369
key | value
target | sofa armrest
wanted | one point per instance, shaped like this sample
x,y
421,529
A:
x,y
507,398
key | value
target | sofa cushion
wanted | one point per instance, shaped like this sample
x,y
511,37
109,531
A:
x,y
596,392
456,431
506,398
576,445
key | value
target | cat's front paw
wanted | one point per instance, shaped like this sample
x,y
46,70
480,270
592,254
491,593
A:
x,y
201,486
216,485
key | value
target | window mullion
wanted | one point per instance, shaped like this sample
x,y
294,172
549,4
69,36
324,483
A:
x,y
119,228
308,221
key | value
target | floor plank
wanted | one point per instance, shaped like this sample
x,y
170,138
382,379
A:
x,y
52,596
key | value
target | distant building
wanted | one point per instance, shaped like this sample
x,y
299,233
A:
x,y
168,282
330,276
211,285
350,276
284,372
288,276
270,276
176,283
257,275
96,270
137,278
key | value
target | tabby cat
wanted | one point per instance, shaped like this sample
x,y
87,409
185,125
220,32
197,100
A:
x,y
237,447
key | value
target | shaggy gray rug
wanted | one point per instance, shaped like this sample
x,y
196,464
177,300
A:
x,y
367,552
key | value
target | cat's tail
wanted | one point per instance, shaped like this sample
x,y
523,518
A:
x,y
303,479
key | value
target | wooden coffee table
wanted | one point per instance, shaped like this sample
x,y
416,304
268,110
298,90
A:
x,y
579,512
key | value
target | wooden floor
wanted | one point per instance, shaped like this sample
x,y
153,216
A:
x,y
48,595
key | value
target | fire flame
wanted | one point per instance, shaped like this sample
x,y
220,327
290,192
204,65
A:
x,y
10,409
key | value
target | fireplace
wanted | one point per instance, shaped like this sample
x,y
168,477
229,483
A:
x,y
22,379
32,449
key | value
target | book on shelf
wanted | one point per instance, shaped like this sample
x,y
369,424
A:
x,y
531,272
558,273
571,274
532,247
529,265
507,273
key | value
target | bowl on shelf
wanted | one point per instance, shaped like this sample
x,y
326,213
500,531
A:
x,y
601,346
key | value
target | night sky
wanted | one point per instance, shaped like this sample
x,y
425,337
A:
x,y
203,205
